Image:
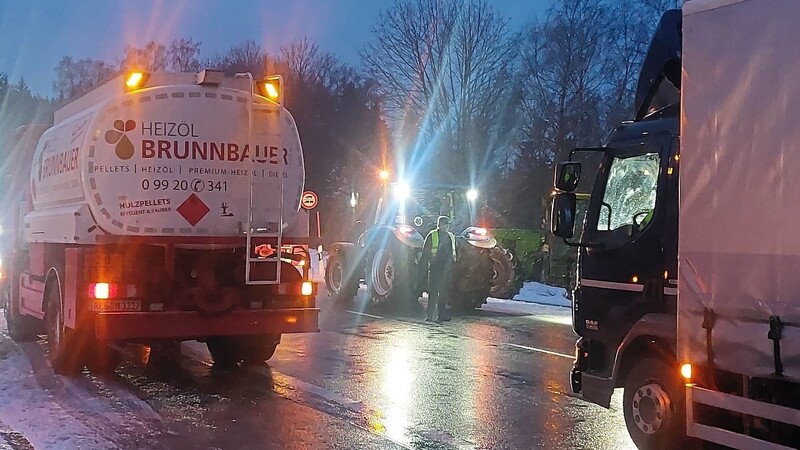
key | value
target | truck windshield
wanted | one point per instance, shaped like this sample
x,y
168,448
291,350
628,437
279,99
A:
x,y
630,194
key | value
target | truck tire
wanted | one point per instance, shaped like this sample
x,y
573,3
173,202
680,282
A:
x,y
21,328
504,281
229,351
65,349
389,276
103,359
340,281
653,404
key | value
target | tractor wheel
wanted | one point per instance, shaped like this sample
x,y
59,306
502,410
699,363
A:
x,y
21,328
341,282
467,301
504,279
389,275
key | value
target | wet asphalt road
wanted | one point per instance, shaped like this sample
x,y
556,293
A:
x,y
369,379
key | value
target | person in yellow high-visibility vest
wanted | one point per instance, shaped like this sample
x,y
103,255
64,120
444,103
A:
x,y
439,252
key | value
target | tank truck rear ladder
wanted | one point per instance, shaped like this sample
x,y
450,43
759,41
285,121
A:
x,y
271,231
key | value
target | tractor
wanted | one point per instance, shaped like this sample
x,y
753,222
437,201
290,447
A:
x,y
386,254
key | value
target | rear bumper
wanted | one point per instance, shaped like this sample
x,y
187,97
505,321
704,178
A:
x,y
192,324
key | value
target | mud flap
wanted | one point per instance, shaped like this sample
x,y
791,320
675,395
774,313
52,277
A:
x,y
597,390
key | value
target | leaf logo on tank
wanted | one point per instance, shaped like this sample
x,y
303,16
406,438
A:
x,y
123,146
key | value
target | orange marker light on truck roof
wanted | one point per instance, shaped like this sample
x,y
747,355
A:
x,y
135,80
271,90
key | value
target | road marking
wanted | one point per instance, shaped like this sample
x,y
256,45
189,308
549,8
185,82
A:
x,y
507,344
365,314
290,382
540,350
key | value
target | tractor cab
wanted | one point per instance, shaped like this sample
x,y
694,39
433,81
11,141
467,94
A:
x,y
423,205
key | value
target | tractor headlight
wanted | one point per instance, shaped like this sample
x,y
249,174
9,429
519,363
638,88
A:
x,y
402,191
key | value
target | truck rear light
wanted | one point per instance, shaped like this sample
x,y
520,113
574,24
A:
x,y
291,320
102,291
686,372
308,288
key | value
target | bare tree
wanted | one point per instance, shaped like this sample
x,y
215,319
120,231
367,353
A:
x,y
437,62
76,77
152,57
566,75
245,57
183,55
633,24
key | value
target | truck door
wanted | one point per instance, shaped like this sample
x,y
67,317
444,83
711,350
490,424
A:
x,y
622,272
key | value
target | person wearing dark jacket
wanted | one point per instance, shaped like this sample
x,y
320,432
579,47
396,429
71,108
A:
x,y
439,253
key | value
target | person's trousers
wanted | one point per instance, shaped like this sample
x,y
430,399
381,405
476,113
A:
x,y
438,283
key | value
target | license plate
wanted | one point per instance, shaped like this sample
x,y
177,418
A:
x,y
117,305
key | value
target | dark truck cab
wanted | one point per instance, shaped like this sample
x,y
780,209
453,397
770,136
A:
x,y
625,302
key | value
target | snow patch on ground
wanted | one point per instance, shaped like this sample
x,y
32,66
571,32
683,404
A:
x,y
56,412
515,307
34,412
533,292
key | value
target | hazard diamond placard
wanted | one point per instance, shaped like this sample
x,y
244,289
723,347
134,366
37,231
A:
x,y
193,209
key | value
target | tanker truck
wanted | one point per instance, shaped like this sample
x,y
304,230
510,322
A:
x,y
686,296
160,207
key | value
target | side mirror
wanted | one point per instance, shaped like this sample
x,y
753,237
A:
x,y
567,176
563,215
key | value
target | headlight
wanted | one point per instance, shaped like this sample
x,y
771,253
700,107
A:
x,y
472,195
476,233
402,191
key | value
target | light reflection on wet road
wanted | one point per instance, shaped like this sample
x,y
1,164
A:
x,y
484,380
369,379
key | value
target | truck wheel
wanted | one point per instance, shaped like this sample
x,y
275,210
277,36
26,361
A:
x,y
503,279
341,283
653,403
388,276
104,359
21,328
64,350
258,349
228,351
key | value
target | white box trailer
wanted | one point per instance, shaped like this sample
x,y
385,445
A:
x,y
163,206
739,233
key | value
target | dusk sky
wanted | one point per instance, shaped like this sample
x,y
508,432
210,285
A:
x,y
35,34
